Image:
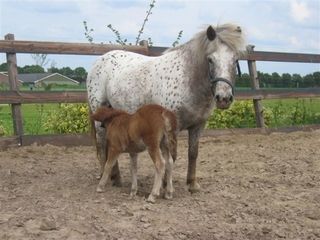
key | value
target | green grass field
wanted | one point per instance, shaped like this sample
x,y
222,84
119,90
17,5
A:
x,y
33,117
285,112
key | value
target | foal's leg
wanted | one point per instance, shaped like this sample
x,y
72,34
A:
x,y
168,172
112,159
101,146
133,170
159,164
102,149
194,135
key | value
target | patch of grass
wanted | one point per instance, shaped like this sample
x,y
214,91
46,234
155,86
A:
x,y
33,116
292,112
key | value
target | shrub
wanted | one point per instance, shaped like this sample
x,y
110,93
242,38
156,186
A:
x,y
69,118
3,130
239,115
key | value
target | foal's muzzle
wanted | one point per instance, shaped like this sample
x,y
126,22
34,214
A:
x,y
224,97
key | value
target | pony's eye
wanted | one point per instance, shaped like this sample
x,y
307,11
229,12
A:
x,y
210,60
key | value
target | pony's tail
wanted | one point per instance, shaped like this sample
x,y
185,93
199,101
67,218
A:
x,y
170,123
92,127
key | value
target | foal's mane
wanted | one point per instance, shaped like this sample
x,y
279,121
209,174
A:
x,y
229,34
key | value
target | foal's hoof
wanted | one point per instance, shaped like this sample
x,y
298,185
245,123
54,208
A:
x,y
100,189
98,177
194,187
151,199
133,194
168,195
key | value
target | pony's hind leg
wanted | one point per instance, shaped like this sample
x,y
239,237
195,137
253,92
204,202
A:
x,y
133,170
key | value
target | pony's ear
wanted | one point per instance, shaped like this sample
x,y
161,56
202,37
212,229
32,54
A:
x,y
211,33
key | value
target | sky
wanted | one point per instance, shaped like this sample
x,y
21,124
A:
x,y
270,25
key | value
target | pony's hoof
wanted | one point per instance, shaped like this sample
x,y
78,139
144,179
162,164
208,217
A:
x,y
194,187
100,189
151,199
168,195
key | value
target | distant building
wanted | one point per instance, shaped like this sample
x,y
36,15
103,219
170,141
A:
x,y
39,79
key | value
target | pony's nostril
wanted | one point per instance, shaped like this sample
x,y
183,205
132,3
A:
x,y
217,98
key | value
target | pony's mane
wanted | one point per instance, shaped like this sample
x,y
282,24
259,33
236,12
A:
x,y
229,34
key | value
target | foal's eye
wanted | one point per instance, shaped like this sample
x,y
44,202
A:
x,y
210,60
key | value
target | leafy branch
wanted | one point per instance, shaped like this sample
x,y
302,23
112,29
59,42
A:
x,y
88,32
151,6
176,42
124,41
118,36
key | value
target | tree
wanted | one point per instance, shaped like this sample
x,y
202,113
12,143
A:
x,y
316,78
265,79
275,79
66,71
31,69
296,80
243,81
80,74
286,80
308,80
4,67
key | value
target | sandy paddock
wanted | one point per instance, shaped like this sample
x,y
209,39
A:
x,y
253,187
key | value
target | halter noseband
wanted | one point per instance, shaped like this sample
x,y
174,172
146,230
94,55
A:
x,y
214,81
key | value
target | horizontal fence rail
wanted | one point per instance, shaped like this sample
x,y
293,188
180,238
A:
x,y
15,98
15,46
25,97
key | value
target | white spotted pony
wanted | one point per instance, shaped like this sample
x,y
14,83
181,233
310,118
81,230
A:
x,y
189,80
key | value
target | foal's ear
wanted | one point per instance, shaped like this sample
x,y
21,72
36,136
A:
x,y
211,33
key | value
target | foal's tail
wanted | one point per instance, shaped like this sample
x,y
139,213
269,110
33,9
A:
x,y
170,122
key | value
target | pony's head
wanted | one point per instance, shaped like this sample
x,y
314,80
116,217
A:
x,y
223,45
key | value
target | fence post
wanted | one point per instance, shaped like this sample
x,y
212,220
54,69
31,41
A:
x,y
13,84
258,109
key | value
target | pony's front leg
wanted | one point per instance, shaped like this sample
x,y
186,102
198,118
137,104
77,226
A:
x,y
194,135
112,159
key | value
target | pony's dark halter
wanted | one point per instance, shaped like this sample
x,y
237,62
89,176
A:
x,y
214,81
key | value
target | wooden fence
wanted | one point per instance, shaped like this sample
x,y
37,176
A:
x,y
15,98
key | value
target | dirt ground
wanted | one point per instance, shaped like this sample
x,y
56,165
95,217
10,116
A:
x,y
253,187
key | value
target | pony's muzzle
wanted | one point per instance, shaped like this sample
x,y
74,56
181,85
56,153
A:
x,y
223,101
223,92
